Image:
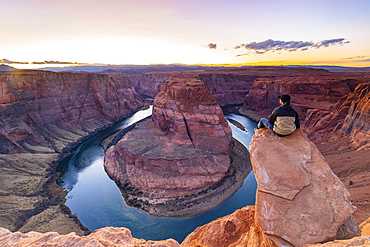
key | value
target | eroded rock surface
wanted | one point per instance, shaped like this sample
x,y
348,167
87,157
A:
x,y
299,199
108,236
42,115
237,229
184,150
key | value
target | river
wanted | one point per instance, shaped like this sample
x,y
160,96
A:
x,y
97,202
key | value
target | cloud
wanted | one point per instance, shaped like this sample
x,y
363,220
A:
x,y
351,58
211,46
290,46
362,60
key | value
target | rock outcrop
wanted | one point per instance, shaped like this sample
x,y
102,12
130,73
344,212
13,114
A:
x,y
108,236
334,112
299,199
179,156
42,115
237,229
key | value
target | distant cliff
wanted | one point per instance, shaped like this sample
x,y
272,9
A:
x,y
348,118
227,87
42,116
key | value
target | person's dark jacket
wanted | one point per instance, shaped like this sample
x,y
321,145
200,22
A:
x,y
285,119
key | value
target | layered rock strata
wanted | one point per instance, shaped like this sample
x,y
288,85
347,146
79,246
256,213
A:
x,y
42,115
226,86
176,162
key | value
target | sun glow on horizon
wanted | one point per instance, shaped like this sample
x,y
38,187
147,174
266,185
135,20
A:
x,y
117,50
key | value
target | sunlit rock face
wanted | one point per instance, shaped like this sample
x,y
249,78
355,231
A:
x,y
42,116
237,229
299,199
108,236
182,150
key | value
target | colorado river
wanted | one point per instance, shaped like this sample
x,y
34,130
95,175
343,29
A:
x,y
97,202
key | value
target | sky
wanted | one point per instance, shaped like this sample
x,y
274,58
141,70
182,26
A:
x,y
252,32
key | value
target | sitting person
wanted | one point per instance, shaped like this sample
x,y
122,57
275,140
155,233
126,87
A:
x,y
283,120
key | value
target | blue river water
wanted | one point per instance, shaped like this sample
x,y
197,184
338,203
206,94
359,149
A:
x,y
96,200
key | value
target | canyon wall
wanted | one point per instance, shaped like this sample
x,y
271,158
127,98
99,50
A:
x,y
42,116
227,86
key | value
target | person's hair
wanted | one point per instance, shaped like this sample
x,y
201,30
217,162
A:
x,y
284,97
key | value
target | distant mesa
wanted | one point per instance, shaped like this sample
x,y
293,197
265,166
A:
x,y
4,67
7,61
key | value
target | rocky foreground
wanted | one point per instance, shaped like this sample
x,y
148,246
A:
x,y
179,162
300,202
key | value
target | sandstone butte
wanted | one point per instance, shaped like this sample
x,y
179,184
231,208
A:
x,y
42,116
179,161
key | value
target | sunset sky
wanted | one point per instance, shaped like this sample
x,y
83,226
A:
x,y
260,32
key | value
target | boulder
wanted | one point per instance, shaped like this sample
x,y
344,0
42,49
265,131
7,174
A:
x,y
299,199
237,229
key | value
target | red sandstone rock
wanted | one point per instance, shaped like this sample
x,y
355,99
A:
x,y
184,150
365,227
186,109
237,229
299,199
226,86
108,236
348,117
358,241
36,105
42,115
